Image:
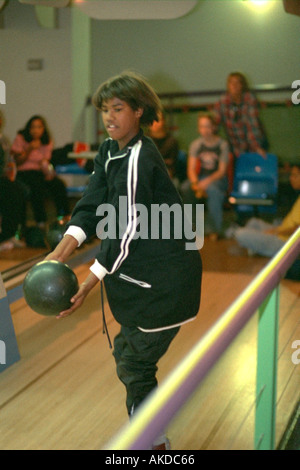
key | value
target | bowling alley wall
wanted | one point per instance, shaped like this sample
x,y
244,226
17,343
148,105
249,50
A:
x,y
192,53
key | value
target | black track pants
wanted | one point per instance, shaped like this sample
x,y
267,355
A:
x,y
137,354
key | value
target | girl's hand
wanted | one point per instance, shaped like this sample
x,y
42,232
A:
x,y
35,144
77,301
63,250
48,170
52,257
199,189
203,184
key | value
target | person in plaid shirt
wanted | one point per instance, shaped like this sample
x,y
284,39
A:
x,y
237,111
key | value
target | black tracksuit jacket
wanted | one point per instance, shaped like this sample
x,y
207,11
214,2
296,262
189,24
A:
x,y
151,283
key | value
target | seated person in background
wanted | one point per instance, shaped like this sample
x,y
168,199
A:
x,y
32,150
238,112
207,166
166,144
12,206
264,239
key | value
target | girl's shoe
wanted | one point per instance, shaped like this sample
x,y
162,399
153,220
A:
x,y
164,445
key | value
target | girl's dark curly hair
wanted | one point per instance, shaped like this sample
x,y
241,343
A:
x,y
135,91
243,80
45,139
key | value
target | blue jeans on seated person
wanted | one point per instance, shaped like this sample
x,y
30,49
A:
x,y
216,193
256,241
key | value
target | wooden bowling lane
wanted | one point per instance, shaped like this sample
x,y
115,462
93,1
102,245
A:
x,y
64,393
17,256
59,360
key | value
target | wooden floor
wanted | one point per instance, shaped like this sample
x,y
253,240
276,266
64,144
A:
x,y
64,393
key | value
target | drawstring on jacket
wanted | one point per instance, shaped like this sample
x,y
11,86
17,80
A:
x,y
104,325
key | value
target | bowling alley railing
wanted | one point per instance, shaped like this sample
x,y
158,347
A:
x,y
204,100
162,405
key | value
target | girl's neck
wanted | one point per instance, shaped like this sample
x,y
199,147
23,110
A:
x,y
211,140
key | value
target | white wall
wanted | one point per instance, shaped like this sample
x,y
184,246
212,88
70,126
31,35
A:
x,y
197,52
46,92
187,54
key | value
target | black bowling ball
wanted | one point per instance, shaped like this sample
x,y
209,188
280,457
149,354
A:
x,y
49,286
55,234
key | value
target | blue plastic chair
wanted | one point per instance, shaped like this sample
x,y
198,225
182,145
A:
x,y
255,184
75,177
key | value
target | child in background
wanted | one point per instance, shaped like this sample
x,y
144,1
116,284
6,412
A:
x,y
167,146
152,284
207,166
12,198
238,112
32,150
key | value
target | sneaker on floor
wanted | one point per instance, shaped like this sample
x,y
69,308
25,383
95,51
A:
x,y
164,445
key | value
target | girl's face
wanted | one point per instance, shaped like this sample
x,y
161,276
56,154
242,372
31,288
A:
x,y
37,129
121,122
205,127
295,178
158,126
234,86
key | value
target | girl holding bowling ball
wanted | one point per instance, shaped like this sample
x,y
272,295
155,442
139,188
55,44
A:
x,y
152,284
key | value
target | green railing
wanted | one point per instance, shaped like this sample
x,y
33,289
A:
x,y
161,406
